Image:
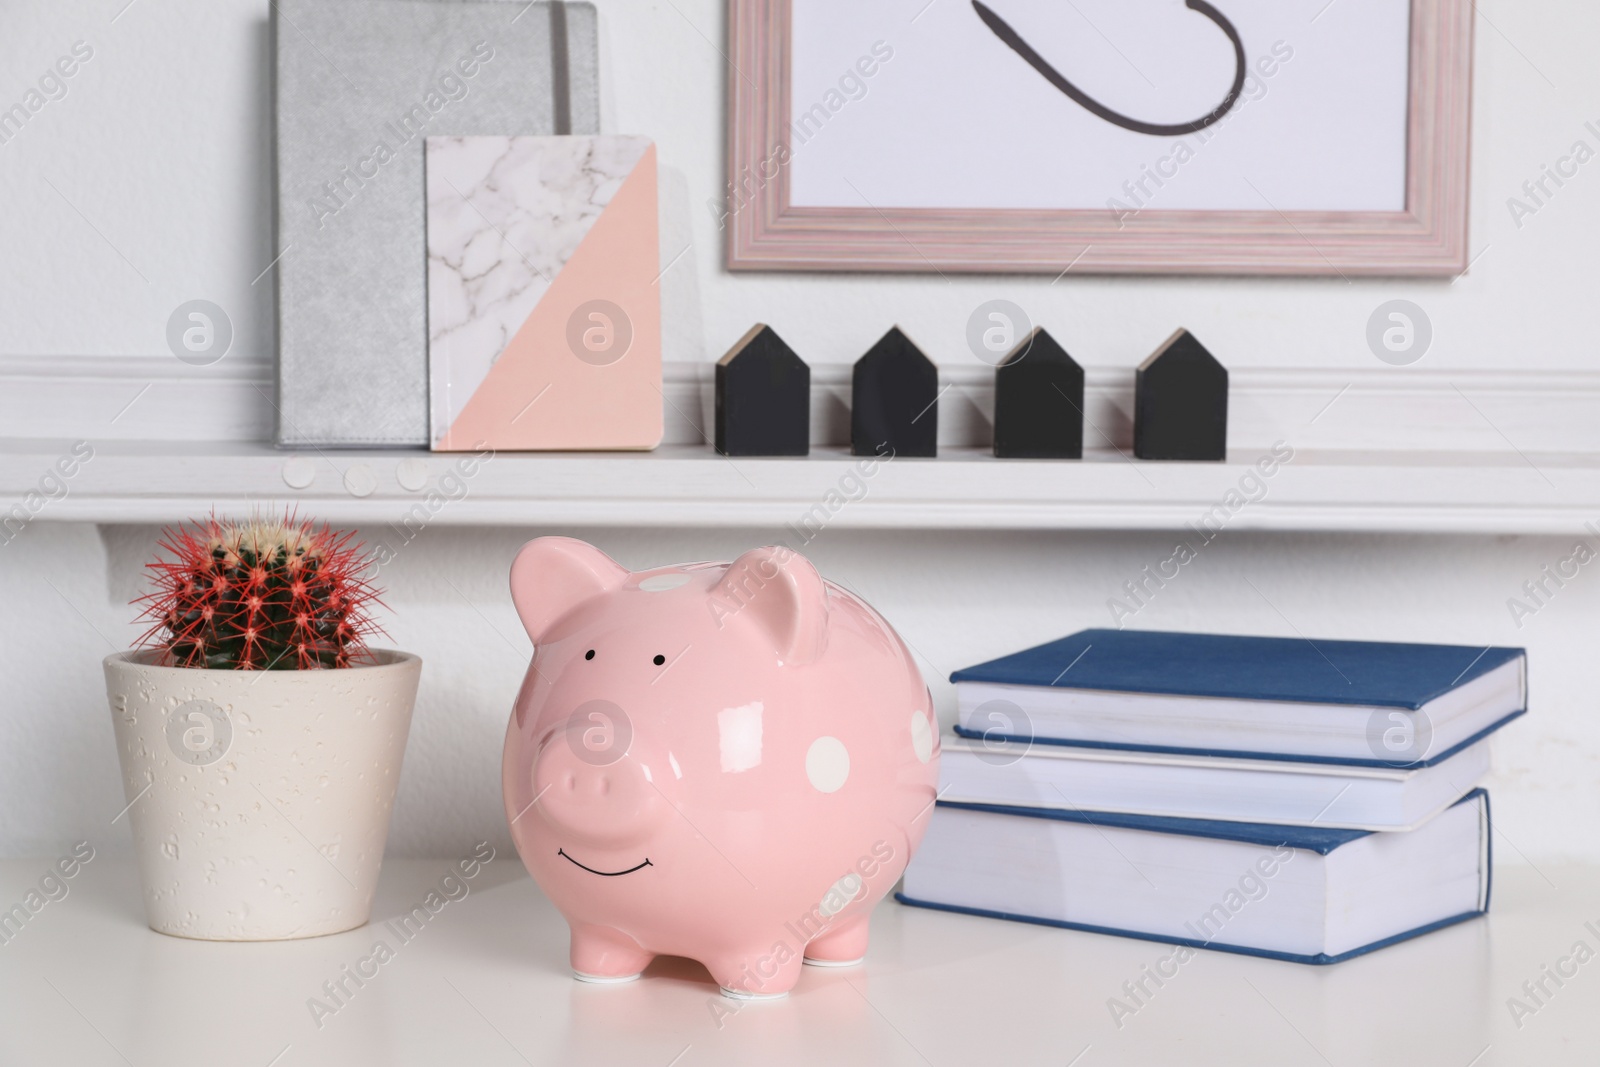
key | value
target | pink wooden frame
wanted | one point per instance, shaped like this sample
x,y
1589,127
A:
x,y
1428,238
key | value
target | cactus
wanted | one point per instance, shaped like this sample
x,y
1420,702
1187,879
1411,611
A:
x,y
259,595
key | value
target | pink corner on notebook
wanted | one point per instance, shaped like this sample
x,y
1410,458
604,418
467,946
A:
x,y
544,312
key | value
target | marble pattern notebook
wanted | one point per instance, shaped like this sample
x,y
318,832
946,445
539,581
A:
x,y
360,85
544,316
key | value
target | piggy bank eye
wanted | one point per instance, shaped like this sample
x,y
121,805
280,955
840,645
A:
x,y
659,660
589,654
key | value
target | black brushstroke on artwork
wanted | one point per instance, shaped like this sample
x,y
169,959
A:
x,y
1010,36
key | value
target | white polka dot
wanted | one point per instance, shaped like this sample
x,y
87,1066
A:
x,y
827,764
921,737
660,583
839,894
298,472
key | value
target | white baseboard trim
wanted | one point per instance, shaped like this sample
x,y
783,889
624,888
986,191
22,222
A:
x,y
1369,410
134,398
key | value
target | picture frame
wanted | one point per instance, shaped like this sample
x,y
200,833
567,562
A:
x,y
766,230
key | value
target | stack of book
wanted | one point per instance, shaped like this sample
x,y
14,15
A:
x,y
1303,800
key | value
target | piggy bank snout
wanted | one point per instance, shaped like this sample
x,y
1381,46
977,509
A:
x,y
592,798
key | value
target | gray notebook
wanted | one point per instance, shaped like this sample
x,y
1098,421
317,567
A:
x,y
360,85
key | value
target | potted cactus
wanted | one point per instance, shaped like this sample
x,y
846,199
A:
x,y
260,736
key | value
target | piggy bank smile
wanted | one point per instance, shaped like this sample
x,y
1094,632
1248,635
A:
x,y
605,874
728,762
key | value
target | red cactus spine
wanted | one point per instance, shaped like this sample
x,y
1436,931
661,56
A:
x,y
260,595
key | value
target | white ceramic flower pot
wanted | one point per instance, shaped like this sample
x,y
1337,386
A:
x,y
260,800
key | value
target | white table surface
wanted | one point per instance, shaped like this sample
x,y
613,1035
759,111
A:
x,y
86,983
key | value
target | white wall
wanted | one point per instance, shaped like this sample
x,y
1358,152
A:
x,y
163,144
957,598
159,158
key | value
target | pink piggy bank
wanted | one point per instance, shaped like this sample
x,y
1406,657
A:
x,y
729,762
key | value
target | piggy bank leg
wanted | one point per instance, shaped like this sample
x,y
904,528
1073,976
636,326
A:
x,y
601,954
843,946
756,976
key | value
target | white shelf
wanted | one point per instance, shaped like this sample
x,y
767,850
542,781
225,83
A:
x,y
1376,448
485,982
689,485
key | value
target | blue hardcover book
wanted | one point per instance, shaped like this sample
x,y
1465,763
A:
x,y
1356,702
1308,894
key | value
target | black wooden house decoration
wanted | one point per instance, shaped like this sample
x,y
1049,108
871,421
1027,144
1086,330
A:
x,y
1038,401
1180,405
894,400
763,398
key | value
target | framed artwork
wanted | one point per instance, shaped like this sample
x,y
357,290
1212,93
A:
x,y
1099,136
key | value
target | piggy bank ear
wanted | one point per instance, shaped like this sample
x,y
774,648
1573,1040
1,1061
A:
x,y
553,575
783,594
